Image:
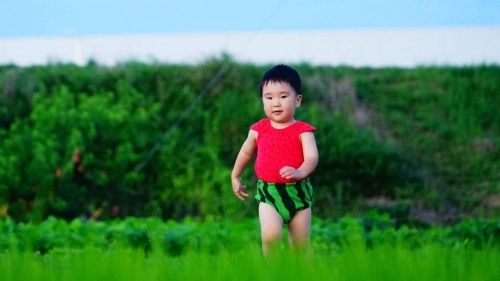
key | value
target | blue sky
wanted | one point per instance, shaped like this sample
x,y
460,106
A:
x,y
22,18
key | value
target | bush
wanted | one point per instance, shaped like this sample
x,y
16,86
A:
x,y
160,140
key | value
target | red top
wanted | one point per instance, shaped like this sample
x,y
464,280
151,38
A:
x,y
277,148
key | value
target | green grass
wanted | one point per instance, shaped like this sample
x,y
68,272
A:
x,y
151,249
354,262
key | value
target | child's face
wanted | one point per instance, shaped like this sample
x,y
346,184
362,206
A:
x,y
280,102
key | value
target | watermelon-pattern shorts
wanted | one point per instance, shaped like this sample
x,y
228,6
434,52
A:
x,y
286,198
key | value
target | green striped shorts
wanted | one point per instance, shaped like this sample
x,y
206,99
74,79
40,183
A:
x,y
286,198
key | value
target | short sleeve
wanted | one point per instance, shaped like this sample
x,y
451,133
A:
x,y
258,126
305,127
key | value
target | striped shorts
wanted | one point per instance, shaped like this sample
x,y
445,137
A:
x,y
286,198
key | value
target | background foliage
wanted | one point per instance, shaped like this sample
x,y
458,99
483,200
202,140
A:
x,y
176,238
160,140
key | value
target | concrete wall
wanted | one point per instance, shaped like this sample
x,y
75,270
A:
x,y
357,47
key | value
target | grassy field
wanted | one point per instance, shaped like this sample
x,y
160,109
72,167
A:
x,y
424,143
151,249
386,263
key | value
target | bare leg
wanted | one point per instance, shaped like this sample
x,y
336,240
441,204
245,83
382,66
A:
x,y
271,227
299,229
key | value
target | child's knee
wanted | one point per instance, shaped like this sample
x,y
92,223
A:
x,y
299,241
271,235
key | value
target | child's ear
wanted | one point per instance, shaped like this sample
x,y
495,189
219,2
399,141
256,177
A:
x,y
298,100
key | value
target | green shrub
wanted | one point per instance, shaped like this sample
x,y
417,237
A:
x,y
160,140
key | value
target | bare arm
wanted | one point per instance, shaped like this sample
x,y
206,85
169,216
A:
x,y
246,154
311,158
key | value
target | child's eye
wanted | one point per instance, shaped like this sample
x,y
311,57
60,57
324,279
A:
x,y
269,98
284,97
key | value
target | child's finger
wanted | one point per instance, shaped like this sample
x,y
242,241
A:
x,y
240,195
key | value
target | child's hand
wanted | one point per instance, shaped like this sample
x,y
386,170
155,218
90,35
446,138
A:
x,y
239,189
290,173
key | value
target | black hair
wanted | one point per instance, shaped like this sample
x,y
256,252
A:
x,y
282,73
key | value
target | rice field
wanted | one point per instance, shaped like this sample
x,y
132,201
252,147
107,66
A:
x,y
231,251
356,263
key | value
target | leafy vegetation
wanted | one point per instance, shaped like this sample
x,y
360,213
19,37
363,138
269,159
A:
x,y
347,249
160,140
177,238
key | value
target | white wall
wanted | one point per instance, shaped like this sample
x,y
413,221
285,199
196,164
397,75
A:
x,y
367,47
